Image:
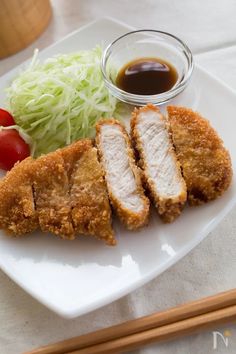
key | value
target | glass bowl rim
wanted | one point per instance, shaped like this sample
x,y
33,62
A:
x,y
158,98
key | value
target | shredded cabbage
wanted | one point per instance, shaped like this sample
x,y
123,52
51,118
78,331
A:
x,y
59,101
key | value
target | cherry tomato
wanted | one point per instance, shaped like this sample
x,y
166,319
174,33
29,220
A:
x,y
12,148
6,118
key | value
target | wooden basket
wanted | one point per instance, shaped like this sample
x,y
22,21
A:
x,y
21,22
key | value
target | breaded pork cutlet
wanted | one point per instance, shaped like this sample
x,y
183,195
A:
x,y
90,209
161,170
63,192
205,162
122,175
51,195
17,210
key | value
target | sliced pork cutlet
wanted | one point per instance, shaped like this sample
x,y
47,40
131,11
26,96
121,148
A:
x,y
205,162
17,210
91,213
51,195
161,170
122,175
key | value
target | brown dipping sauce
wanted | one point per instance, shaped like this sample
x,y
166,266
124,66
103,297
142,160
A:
x,y
147,76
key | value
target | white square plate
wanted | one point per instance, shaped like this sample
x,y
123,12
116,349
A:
x,y
73,278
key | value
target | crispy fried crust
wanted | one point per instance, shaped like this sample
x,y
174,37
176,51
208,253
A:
x,y
91,211
17,210
63,192
130,219
72,153
205,163
51,194
169,208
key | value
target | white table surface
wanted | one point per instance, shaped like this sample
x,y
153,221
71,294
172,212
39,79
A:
x,y
209,28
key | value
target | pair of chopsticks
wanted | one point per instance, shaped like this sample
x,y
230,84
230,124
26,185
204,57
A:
x,y
163,326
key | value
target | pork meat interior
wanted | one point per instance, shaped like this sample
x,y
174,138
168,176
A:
x,y
162,174
121,173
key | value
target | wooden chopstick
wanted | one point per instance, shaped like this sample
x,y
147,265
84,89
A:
x,y
163,333
155,321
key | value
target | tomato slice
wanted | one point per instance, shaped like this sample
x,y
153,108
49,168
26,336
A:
x,y
12,148
6,118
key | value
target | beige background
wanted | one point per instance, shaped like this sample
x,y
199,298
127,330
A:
x,y
209,28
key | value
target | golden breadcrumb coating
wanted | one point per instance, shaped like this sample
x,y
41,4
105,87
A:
x,y
131,219
91,211
63,192
72,153
168,207
51,194
205,162
17,210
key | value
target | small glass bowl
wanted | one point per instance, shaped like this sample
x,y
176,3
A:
x,y
143,44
